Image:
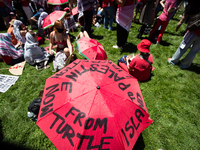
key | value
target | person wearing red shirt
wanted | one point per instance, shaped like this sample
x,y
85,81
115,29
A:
x,y
108,12
163,19
140,66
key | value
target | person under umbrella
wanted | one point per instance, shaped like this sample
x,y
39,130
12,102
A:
x,y
59,37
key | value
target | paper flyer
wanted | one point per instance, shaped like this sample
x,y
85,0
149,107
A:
x,y
6,81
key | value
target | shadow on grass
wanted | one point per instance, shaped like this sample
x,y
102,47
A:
x,y
129,47
9,145
139,145
194,68
98,37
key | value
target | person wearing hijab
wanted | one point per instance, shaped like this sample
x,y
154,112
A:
x,y
20,30
43,15
31,49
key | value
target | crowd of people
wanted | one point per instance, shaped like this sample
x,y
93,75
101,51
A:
x,y
18,14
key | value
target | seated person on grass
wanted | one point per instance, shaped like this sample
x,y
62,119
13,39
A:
x,y
8,52
139,66
32,50
82,34
20,30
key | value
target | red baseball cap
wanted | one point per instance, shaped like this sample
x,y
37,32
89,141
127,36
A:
x,y
144,46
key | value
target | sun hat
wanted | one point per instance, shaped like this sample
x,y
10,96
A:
x,y
12,22
144,46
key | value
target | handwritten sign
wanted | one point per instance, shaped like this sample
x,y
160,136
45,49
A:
x,y
92,105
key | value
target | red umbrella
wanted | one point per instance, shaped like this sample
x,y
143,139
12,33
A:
x,y
92,104
52,17
57,2
74,11
91,49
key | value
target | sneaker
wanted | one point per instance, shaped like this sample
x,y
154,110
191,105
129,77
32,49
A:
x,y
117,47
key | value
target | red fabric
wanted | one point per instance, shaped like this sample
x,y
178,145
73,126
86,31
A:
x,y
197,31
40,40
25,3
61,45
2,4
141,68
14,40
141,1
163,25
91,104
165,16
129,2
7,59
105,3
91,49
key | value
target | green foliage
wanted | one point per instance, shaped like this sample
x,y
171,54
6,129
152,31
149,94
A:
x,y
171,96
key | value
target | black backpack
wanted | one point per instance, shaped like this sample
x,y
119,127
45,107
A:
x,y
34,108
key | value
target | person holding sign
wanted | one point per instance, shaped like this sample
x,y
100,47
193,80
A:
x,y
139,66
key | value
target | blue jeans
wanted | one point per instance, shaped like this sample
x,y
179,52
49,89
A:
x,y
187,61
108,11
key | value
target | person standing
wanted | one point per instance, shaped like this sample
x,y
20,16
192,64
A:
x,y
124,20
5,13
108,12
139,6
147,16
191,39
86,6
28,12
163,19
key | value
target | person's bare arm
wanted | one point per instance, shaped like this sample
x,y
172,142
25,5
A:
x,y
121,2
34,19
162,3
69,44
51,43
23,32
127,62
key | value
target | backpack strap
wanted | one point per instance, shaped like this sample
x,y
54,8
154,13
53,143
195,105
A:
x,y
146,61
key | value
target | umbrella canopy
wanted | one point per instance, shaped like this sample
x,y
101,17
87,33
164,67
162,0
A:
x,y
91,49
92,104
57,2
52,17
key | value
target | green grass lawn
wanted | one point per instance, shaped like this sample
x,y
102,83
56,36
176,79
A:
x,y
172,96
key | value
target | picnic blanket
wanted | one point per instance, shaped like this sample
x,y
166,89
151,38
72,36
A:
x,y
7,48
